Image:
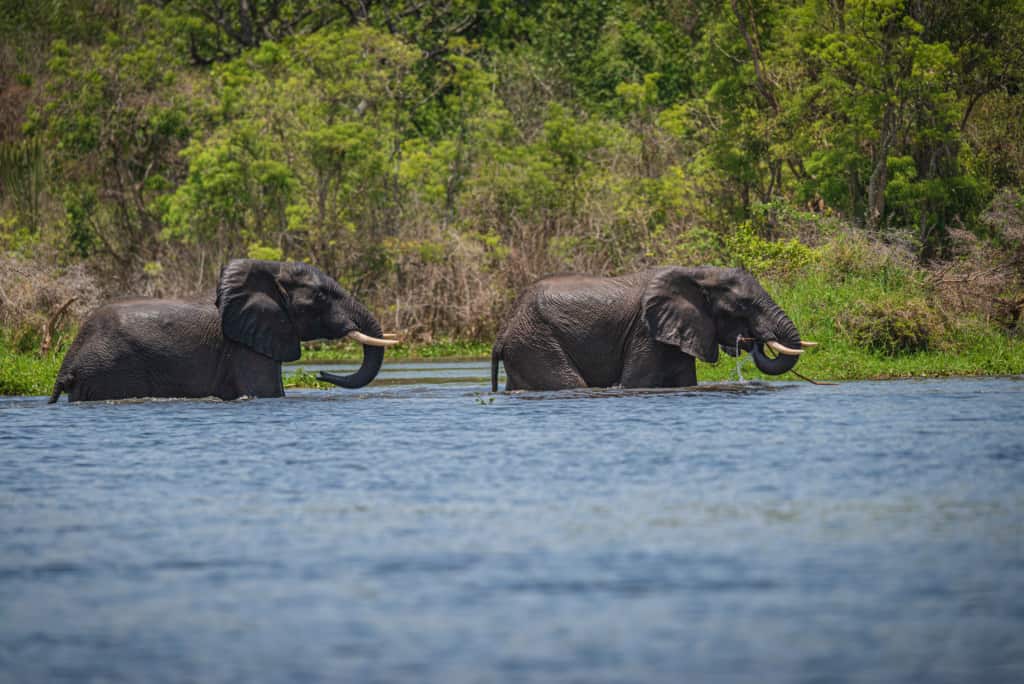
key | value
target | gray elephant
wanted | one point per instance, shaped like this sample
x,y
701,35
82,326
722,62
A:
x,y
639,330
227,346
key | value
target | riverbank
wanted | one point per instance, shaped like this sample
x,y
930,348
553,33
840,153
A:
x,y
28,374
873,311
986,353
24,374
876,310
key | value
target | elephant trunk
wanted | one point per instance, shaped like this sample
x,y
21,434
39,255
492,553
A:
x,y
782,332
373,356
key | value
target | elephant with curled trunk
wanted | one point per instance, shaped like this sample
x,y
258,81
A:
x,y
639,330
229,346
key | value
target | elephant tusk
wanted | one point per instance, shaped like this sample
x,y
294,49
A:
x,y
393,336
783,349
371,341
805,344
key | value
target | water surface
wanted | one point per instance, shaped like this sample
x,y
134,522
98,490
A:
x,y
422,529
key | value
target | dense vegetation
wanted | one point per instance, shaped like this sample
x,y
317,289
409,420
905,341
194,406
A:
x,y
865,158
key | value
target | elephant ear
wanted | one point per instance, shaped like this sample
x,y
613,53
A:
x,y
254,309
677,312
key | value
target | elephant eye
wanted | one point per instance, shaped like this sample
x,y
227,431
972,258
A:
x,y
319,297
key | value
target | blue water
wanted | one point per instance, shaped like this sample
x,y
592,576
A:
x,y
418,531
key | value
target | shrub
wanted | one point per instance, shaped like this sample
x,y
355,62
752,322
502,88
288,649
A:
x,y
985,276
40,303
852,254
892,327
764,257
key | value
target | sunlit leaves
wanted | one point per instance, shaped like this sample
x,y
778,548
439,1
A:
x,y
303,140
115,119
570,133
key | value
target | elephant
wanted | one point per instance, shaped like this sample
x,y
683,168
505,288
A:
x,y
228,344
642,329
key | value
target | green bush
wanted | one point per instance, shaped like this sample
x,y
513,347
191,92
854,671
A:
x,y
892,327
761,256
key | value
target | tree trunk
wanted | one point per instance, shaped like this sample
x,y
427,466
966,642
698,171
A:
x,y
880,174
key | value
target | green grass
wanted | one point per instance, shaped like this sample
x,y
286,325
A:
x,y
336,351
991,354
869,309
970,349
304,379
839,302
25,374
440,349
987,352
814,301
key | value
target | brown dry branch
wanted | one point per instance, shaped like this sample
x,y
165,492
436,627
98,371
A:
x,y
51,324
40,301
986,276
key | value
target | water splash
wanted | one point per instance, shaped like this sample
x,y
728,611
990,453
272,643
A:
x,y
741,359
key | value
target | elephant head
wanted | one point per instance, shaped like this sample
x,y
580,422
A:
x,y
700,309
271,306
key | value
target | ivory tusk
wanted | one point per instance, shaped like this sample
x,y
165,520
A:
x,y
783,349
371,341
805,344
389,336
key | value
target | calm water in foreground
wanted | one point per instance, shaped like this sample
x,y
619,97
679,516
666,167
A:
x,y
417,531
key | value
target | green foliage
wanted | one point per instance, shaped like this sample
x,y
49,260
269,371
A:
x,y
761,257
22,177
892,326
444,348
22,372
220,31
259,251
303,378
114,121
872,312
300,148
436,157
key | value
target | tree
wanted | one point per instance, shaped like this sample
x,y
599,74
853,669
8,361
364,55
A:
x,y
220,30
302,152
115,119
877,93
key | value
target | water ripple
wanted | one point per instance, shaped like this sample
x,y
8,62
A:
x,y
423,528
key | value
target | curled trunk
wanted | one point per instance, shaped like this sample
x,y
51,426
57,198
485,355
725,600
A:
x,y
784,332
373,356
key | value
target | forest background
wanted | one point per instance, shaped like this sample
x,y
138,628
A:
x,y
863,158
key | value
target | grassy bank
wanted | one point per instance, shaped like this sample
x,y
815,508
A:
x,y
26,374
971,349
875,313
986,353
407,351
438,350
979,350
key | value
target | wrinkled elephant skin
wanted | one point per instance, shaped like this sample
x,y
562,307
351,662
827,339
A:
x,y
643,329
227,346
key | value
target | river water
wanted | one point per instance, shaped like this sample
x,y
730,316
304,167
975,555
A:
x,y
423,530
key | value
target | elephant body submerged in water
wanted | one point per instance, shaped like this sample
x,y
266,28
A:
x,y
639,330
229,347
